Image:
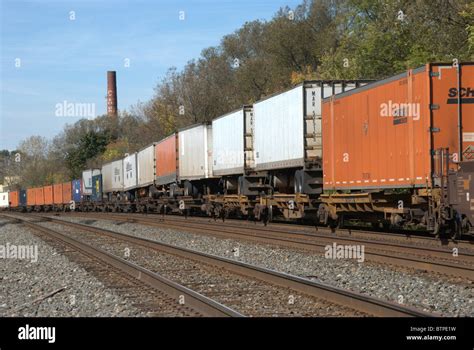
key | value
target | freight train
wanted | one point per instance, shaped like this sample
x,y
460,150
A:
x,y
395,153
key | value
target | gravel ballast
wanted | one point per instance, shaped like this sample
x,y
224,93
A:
x,y
424,291
53,286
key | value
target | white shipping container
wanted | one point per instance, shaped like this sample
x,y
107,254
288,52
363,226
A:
x,y
146,166
112,176
130,172
195,152
4,200
87,180
228,144
279,131
288,125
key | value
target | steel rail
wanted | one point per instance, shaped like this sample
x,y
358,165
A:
x,y
194,300
381,252
357,301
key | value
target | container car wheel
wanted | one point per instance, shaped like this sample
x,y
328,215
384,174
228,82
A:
x,y
336,223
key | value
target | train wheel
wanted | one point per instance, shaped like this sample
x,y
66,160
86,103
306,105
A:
x,y
336,223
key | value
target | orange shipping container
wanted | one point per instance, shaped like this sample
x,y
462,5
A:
x,y
382,135
166,154
14,196
48,195
31,196
39,196
67,192
58,194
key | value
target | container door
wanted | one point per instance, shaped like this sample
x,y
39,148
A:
x,y
248,138
452,108
313,137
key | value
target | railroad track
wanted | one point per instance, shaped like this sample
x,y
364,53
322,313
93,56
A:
x,y
152,292
254,290
411,237
413,256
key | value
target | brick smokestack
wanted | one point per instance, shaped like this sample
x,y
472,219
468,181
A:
x,y
111,94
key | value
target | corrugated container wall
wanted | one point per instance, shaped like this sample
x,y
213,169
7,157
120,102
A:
x,y
4,201
228,144
14,199
67,192
31,196
48,195
288,125
87,181
195,152
279,130
130,172
383,135
166,160
146,166
77,190
112,176
39,196
58,193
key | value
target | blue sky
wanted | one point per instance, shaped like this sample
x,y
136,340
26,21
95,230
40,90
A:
x,y
67,60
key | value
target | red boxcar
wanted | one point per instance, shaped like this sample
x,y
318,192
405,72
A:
x,y
14,199
67,192
58,194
